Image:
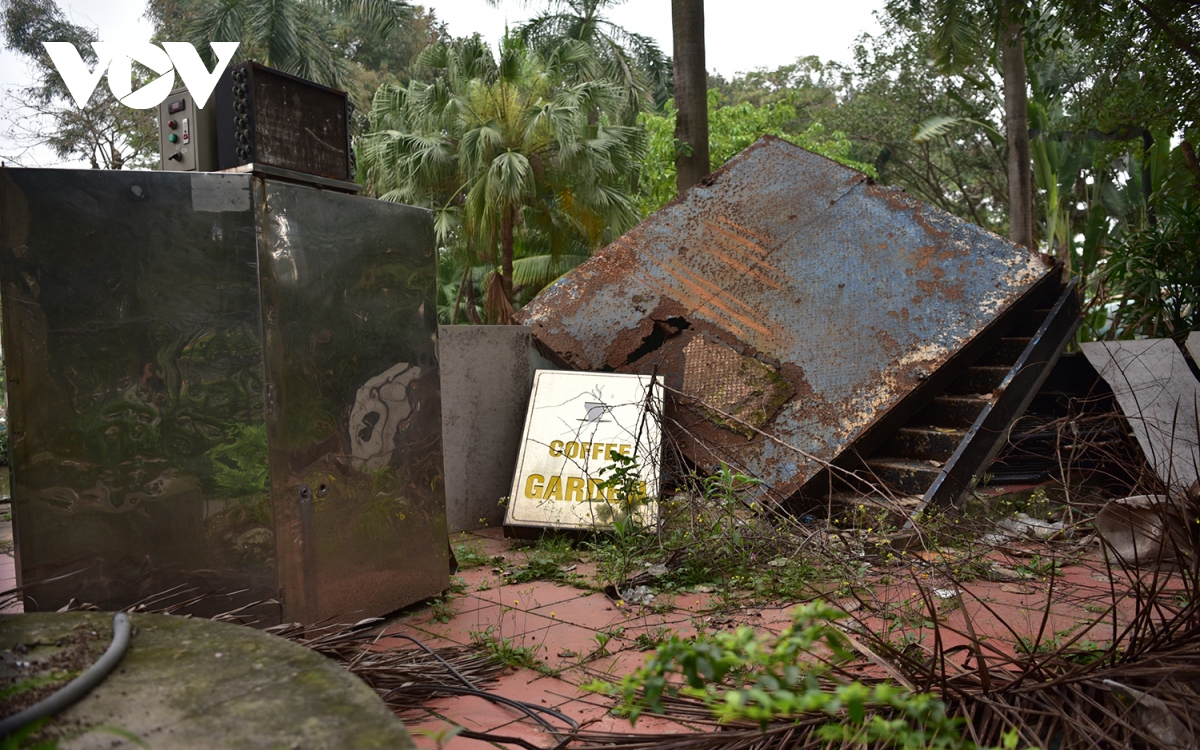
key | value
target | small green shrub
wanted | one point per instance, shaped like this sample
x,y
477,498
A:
x,y
743,676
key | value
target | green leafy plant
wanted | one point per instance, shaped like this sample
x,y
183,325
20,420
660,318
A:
x,y
743,676
505,650
546,560
442,609
472,555
1038,567
239,470
652,639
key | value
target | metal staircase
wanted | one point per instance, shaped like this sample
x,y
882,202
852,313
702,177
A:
x,y
938,444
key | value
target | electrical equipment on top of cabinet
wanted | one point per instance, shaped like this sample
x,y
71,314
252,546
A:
x,y
261,120
271,119
187,135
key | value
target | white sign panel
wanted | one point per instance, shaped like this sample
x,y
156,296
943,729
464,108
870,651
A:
x,y
576,422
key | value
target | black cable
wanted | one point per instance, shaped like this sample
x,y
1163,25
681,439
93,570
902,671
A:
x,y
529,709
78,687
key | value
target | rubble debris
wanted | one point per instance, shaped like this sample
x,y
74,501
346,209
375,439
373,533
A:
x,y
1022,525
1160,398
791,294
1135,530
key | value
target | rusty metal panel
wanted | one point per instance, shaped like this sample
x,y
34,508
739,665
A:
x,y
816,298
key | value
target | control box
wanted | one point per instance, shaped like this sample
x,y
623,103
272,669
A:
x,y
187,135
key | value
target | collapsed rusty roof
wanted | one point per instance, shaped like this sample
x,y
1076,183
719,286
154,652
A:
x,y
790,295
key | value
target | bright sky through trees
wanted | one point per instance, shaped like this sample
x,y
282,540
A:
x,y
740,34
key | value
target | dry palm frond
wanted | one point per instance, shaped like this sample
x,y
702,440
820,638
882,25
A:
x,y
404,678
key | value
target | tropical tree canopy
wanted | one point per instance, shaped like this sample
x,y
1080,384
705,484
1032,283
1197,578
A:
x,y
634,61
509,155
731,129
355,45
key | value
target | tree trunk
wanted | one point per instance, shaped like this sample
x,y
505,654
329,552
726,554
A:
x,y
691,93
472,313
1190,160
1016,126
506,252
1147,188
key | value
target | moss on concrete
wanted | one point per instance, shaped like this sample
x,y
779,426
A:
x,y
188,683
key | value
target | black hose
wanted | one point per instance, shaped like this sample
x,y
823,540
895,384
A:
x,y
529,709
78,687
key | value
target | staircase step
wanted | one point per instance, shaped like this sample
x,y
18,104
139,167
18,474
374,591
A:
x,y
979,379
918,443
950,411
1028,325
1006,351
907,476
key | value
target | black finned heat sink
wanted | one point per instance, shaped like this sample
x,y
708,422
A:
x,y
271,118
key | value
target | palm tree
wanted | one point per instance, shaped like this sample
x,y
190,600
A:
x,y
632,60
295,36
503,152
691,93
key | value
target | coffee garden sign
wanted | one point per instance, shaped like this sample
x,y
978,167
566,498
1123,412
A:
x,y
591,451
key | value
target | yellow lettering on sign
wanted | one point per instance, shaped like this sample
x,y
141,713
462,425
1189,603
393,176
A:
x,y
583,450
596,492
533,486
597,450
556,447
626,449
574,489
553,489
572,449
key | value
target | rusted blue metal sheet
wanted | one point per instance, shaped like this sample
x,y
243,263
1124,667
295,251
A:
x,y
791,296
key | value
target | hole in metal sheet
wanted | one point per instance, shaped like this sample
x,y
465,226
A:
x,y
663,330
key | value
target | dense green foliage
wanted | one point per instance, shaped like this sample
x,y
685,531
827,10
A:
x,y
1113,96
511,155
631,60
746,676
731,129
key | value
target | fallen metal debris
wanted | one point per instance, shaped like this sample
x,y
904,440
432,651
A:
x,y
1135,530
1160,398
791,294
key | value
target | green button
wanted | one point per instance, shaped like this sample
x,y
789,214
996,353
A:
x,y
172,137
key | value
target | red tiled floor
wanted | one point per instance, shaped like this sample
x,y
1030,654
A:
x,y
563,626
529,596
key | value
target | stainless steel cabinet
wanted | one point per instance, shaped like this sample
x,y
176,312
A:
x,y
225,383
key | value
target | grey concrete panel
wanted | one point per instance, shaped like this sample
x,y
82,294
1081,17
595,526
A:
x,y
1159,397
487,373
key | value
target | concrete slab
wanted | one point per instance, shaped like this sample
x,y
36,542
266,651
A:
x,y
487,373
193,683
1159,397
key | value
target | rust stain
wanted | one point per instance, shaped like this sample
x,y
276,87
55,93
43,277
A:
x,y
761,238
746,269
753,247
707,293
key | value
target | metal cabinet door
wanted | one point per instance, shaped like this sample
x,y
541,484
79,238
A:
x,y
354,410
